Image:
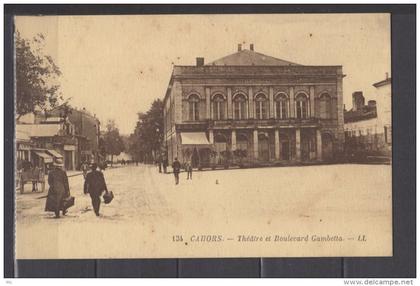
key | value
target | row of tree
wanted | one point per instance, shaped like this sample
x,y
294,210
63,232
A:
x,y
145,143
110,141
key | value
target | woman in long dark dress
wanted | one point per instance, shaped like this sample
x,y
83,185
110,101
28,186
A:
x,y
59,189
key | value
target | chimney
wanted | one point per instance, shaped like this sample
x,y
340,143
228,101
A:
x,y
199,62
251,47
358,100
386,75
372,103
239,47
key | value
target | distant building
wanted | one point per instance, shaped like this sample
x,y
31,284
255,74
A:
x,y
70,134
47,141
23,145
86,130
384,100
270,109
368,129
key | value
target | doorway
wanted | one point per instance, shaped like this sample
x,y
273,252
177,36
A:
x,y
68,160
263,148
327,147
195,159
220,146
285,151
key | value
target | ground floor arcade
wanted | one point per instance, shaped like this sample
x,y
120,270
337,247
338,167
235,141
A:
x,y
265,145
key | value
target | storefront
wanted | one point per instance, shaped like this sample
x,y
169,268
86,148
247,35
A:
x,y
69,157
195,148
42,159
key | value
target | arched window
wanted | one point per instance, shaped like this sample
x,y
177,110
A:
x,y
281,106
239,106
301,106
325,106
261,106
193,107
219,107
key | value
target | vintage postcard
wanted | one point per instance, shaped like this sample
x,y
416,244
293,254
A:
x,y
163,136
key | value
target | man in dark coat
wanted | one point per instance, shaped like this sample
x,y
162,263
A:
x,y
95,185
59,189
165,165
85,168
176,167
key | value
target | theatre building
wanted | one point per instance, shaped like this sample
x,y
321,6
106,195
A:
x,y
250,107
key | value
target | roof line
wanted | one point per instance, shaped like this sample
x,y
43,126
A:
x,y
277,58
249,51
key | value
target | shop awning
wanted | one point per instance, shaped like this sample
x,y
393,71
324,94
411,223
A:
x,y
194,138
47,158
22,136
39,130
55,153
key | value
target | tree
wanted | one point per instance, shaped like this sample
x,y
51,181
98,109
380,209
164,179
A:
x,y
134,148
146,140
112,141
102,147
126,143
36,76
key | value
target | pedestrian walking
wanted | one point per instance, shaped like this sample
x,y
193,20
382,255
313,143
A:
x,y
35,178
94,186
85,169
59,189
188,168
159,163
165,165
102,166
176,168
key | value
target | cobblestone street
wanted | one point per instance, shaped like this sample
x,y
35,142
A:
x,y
149,209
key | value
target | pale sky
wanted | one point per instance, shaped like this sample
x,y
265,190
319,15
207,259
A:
x,y
115,66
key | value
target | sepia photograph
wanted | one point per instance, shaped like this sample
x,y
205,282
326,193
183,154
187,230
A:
x,y
203,135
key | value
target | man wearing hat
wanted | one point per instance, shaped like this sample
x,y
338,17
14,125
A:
x,y
59,189
95,185
176,167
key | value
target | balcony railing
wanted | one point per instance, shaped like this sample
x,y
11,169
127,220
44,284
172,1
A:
x,y
264,122
253,123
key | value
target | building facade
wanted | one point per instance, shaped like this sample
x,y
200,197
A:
x,y
86,132
48,141
368,128
68,133
255,108
23,146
